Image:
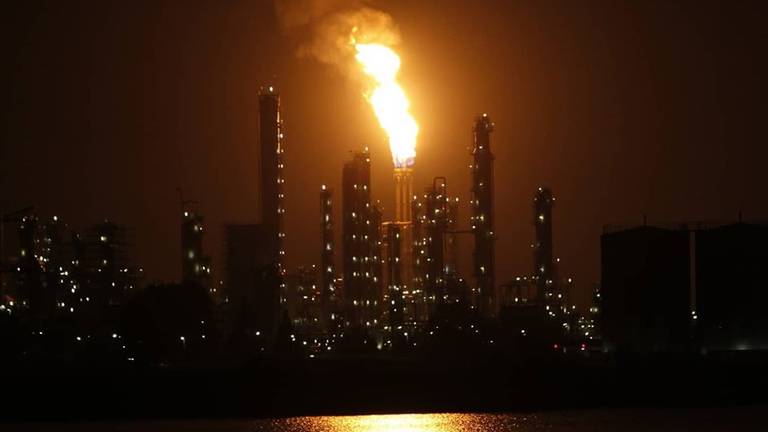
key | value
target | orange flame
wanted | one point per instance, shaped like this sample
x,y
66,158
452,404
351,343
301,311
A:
x,y
388,99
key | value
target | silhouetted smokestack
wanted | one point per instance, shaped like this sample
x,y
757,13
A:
x,y
482,216
403,194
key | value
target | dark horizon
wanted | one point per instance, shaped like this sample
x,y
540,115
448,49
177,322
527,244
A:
x,y
621,109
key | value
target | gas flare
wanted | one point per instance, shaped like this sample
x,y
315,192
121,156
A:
x,y
390,104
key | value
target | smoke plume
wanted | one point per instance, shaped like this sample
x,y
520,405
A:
x,y
332,25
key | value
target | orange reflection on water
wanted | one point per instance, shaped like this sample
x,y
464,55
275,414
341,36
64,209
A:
x,y
394,423
397,423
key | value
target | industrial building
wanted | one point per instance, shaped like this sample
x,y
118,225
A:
x,y
482,219
271,173
395,296
58,271
731,289
330,295
252,281
400,250
254,271
420,259
543,258
108,247
646,289
683,286
304,301
195,264
360,235
26,282
552,289
521,289
437,254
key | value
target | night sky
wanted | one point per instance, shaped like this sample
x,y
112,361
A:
x,y
621,108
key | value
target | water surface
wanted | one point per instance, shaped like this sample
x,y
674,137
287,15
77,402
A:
x,y
714,419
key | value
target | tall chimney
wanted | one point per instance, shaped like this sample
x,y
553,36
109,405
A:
x,y
403,194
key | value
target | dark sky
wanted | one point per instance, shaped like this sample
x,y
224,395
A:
x,y
622,108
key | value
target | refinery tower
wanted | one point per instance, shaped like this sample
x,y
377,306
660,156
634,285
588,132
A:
x,y
399,238
404,217
482,219
403,193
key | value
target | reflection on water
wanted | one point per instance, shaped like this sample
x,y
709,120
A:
x,y
730,419
725,419
399,423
